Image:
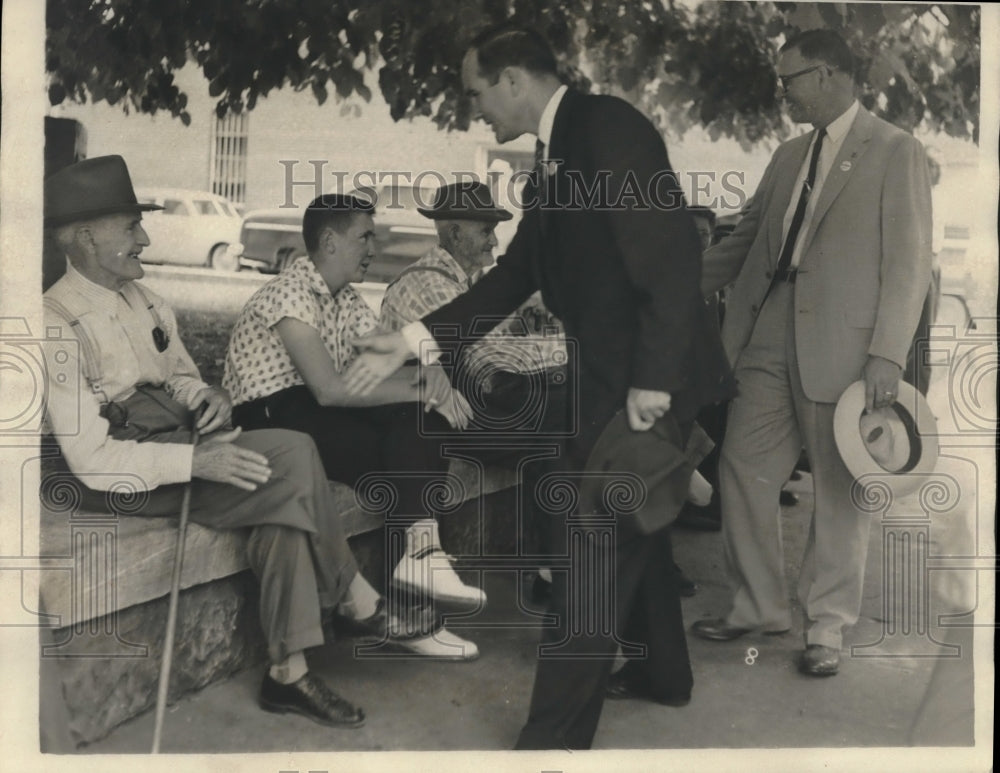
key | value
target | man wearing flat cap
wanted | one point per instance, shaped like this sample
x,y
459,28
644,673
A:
x,y
126,424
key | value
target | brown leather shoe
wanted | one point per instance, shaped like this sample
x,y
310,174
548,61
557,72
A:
x,y
818,660
717,629
311,698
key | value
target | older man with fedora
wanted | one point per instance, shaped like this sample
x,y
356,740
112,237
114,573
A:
x,y
514,378
497,373
126,424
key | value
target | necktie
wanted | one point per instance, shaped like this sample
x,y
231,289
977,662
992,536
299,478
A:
x,y
539,182
800,209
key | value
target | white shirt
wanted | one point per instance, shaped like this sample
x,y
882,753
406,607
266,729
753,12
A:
x,y
416,333
548,119
120,331
835,133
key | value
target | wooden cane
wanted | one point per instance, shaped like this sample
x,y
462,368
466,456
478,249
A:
x,y
175,589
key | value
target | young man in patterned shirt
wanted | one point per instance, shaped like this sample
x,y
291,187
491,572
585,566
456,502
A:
x,y
286,355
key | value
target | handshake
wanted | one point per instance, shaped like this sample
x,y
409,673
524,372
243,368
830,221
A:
x,y
382,354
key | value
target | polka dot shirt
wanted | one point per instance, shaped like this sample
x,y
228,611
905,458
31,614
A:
x,y
257,364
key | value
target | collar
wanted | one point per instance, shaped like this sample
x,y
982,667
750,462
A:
x,y
303,268
839,126
441,255
101,297
548,118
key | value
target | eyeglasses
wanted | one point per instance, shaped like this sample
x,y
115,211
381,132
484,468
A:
x,y
784,80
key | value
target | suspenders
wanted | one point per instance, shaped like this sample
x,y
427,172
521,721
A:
x,y
89,351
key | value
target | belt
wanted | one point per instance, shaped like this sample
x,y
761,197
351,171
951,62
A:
x,y
253,414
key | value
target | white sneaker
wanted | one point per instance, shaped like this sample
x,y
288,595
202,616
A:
x,y
425,571
442,644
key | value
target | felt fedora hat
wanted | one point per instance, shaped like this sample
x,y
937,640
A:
x,y
898,443
652,470
465,200
91,188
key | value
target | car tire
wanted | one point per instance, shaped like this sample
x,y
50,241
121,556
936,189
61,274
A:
x,y
221,259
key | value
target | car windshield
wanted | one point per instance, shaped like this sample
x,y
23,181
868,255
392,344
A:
x,y
205,207
226,209
174,207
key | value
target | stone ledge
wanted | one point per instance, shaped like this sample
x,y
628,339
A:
x,y
97,678
113,563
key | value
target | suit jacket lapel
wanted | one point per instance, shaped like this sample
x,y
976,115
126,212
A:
x,y
784,185
851,151
559,146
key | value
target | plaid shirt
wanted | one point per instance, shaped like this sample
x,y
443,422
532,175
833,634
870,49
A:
x,y
530,339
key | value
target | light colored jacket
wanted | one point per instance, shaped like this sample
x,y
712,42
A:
x,y
866,258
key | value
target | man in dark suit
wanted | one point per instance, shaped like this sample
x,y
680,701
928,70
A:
x,y
607,239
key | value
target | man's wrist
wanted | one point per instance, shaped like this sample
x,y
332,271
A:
x,y
420,342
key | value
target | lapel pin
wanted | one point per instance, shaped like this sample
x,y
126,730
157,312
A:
x,y
845,166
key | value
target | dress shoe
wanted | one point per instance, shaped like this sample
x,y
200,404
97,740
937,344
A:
x,y
819,660
403,623
311,698
619,689
413,622
697,518
788,498
375,627
425,572
440,645
717,629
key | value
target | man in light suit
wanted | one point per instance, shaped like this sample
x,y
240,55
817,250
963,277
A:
x,y
832,263
621,272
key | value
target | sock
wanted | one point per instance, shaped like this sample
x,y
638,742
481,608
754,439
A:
x,y
360,601
291,669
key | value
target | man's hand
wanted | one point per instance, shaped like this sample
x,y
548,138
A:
x,y
645,406
219,460
437,386
382,354
456,410
218,409
881,382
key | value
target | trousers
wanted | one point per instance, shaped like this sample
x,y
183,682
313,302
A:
x,y
297,548
396,441
770,420
576,656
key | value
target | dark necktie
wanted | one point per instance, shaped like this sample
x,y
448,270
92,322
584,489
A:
x,y
800,209
539,157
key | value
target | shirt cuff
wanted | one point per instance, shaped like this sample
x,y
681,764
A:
x,y
420,342
175,466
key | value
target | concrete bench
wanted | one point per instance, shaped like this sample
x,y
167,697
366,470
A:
x,y
101,659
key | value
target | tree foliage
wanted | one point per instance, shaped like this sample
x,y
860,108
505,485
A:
x,y
708,65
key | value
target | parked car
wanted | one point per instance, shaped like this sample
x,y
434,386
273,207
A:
x,y
272,238
194,228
